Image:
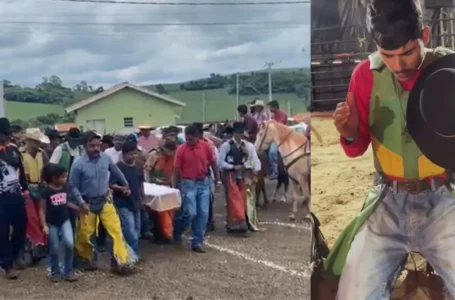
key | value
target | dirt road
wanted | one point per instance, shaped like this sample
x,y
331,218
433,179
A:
x,y
266,265
339,187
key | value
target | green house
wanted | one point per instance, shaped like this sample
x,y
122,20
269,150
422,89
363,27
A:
x,y
123,107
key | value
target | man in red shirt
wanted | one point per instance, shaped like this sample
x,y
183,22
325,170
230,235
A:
x,y
281,117
192,176
411,208
250,123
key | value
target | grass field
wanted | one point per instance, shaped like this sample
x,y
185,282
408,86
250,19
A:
x,y
219,105
27,111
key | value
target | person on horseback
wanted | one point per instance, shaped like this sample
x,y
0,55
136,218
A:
x,y
411,207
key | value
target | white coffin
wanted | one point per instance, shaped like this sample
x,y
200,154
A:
x,y
161,198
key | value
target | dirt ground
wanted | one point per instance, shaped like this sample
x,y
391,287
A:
x,y
272,264
339,187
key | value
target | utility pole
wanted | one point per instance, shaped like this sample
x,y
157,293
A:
x,y
2,100
203,106
269,68
237,95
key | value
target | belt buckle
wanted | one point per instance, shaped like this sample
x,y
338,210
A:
x,y
413,186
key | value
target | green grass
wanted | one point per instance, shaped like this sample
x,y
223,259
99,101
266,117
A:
x,y
27,111
219,105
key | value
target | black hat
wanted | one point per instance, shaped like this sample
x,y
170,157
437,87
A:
x,y
5,126
74,133
431,109
89,136
53,134
238,127
228,130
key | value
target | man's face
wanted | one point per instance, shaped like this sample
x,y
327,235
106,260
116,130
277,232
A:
x,y
405,61
93,148
118,145
145,132
129,157
238,136
170,140
74,142
191,139
34,145
3,138
272,109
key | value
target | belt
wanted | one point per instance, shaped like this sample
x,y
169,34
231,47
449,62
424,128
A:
x,y
417,186
193,179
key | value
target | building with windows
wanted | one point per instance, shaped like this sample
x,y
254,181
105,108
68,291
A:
x,y
121,108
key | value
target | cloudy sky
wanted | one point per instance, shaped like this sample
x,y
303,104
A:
x,y
111,43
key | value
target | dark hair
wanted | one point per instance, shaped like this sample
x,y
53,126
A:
x,y
73,133
242,108
129,147
192,131
199,127
53,134
393,23
16,128
51,171
274,104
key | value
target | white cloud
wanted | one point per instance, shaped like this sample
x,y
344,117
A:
x,y
108,54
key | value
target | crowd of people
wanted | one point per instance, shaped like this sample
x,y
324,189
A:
x,y
85,191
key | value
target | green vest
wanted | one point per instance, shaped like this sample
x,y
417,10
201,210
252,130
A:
x,y
387,122
65,159
395,153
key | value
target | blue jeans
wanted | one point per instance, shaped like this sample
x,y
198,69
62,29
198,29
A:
x,y
402,223
194,210
131,226
63,234
273,158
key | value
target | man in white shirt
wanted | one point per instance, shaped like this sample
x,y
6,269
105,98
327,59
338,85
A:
x,y
68,151
115,152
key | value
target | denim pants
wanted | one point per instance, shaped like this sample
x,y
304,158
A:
x,y
194,209
12,214
64,235
401,223
131,226
273,158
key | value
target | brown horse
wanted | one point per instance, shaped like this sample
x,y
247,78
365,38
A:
x,y
293,149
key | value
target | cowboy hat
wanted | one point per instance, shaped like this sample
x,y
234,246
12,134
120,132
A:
x,y
36,135
144,126
258,102
430,112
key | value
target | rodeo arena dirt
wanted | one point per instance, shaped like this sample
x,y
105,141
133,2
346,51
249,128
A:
x,y
270,262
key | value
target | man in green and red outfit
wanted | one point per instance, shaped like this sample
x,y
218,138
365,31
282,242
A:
x,y
411,207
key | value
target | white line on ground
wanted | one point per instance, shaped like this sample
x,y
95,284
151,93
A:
x,y
266,263
285,225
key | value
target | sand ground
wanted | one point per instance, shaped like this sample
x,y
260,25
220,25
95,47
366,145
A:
x,y
339,187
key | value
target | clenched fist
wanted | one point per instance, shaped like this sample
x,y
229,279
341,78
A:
x,y
346,118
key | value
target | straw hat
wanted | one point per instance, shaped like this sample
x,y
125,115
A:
x,y
144,126
36,135
258,102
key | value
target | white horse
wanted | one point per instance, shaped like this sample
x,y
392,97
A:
x,y
296,159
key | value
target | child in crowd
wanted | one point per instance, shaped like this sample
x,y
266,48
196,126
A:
x,y
54,214
129,201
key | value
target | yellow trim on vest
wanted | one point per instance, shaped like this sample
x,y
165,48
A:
x,y
391,163
33,166
427,168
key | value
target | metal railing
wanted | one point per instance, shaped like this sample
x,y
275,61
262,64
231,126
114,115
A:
x,y
336,50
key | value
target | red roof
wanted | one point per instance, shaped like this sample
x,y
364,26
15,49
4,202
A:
x,y
65,127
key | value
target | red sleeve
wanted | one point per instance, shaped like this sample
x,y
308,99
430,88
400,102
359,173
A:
x,y
361,85
209,151
178,157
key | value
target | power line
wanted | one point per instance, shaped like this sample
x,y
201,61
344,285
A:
x,y
188,3
147,24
